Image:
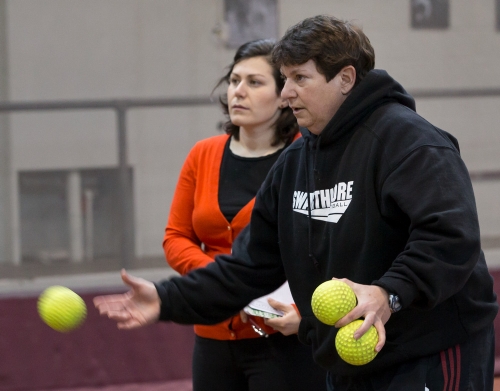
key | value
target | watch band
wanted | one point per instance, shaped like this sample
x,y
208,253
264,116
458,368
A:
x,y
394,303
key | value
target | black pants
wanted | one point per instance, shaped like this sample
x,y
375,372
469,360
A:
x,y
276,363
465,367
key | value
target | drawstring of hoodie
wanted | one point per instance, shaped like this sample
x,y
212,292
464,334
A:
x,y
309,218
315,156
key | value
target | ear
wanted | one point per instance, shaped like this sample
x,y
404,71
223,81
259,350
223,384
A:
x,y
347,79
284,103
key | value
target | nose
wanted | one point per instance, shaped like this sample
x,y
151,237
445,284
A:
x,y
240,89
287,92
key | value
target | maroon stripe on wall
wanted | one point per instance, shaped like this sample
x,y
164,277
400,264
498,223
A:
x,y
33,356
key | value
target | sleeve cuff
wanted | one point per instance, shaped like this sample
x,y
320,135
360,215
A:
x,y
162,293
406,292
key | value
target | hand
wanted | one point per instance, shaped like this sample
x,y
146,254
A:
x,y
289,323
138,307
373,306
243,316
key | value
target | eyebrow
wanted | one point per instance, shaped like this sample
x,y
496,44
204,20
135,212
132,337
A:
x,y
294,71
250,75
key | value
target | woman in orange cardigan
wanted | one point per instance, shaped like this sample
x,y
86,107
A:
x,y
212,203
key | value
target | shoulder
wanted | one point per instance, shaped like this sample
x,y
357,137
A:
x,y
290,157
399,128
400,132
291,150
208,146
217,141
208,150
296,145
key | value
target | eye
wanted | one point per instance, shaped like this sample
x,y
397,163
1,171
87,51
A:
x,y
299,78
254,82
233,81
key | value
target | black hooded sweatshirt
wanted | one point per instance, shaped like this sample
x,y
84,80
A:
x,y
380,197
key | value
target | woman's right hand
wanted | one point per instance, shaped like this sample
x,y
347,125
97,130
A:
x,y
138,307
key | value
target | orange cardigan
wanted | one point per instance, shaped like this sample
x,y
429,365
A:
x,y
197,230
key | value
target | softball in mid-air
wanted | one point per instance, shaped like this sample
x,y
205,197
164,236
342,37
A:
x,y
332,300
360,351
61,308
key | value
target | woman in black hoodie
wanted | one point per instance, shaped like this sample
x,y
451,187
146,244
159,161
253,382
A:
x,y
372,194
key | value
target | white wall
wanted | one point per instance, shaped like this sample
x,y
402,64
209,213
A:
x,y
5,171
94,49
86,49
461,56
166,135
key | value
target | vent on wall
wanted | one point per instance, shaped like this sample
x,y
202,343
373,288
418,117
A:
x,y
430,14
247,20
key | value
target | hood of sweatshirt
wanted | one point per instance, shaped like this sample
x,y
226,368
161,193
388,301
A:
x,y
375,90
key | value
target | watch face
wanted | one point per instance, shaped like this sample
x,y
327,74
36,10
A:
x,y
394,303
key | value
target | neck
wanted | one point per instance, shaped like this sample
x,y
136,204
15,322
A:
x,y
254,142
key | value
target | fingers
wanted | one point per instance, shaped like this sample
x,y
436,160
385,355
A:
x,y
372,307
381,336
106,299
288,324
129,325
379,326
118,316
116,311
348,282
363,328
356,313
130,280
107,308
278,305
274,303
276,323
273,322
243,316
111,309
112,306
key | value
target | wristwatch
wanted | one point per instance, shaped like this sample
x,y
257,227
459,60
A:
x,y
394,303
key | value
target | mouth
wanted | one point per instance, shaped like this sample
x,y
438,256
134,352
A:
x,y
239,107
297,110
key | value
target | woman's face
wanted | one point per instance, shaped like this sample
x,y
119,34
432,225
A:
x,y
251,94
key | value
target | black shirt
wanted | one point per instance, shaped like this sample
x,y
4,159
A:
x,y
240,179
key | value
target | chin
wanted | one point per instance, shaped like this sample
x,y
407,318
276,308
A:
x,y
238,123
304,124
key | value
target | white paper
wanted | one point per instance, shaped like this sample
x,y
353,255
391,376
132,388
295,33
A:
x,y
281,294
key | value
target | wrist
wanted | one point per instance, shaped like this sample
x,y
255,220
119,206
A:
x,y
296,310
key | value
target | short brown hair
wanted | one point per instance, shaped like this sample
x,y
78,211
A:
x,y
330,42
